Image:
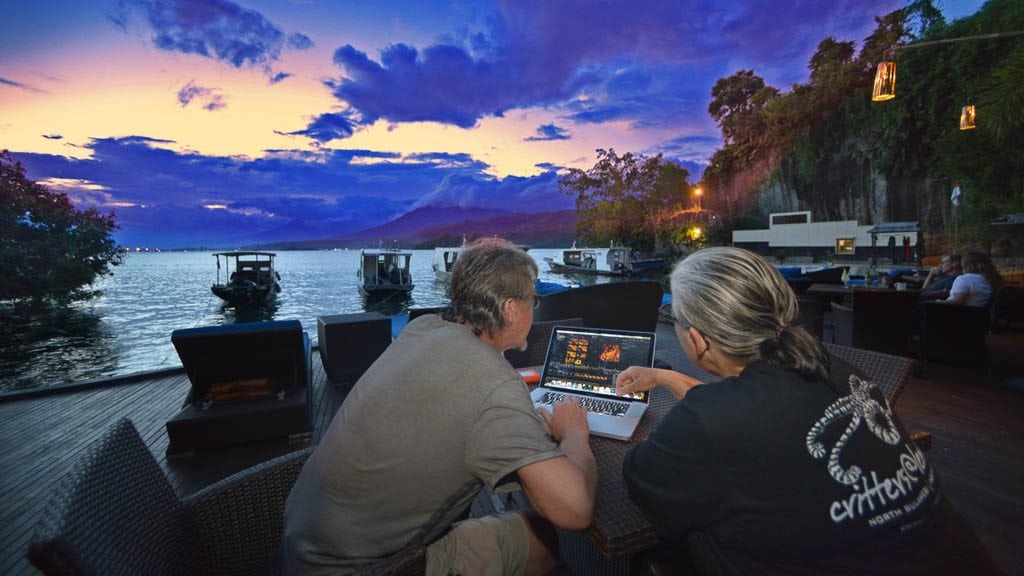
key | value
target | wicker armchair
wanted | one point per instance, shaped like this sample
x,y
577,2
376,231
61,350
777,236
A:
x,y
888,372
955,333
619,305
879,320
116,513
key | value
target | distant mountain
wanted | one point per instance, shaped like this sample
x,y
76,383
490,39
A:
x,y
538,229
411,223
445,226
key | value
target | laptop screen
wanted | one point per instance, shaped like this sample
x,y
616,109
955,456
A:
x,y
587,361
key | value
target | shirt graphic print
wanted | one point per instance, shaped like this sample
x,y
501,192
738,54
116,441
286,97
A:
x,y
874,496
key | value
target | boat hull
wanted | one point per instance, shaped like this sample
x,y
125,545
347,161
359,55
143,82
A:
x,y
647,265
569,269
244,296
385,290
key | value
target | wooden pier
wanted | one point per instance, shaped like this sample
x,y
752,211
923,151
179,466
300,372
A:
x,y
975,421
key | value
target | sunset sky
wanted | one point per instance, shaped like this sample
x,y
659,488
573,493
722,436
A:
x,y
215,122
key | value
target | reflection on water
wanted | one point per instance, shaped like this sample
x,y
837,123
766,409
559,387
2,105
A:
x,y
128,328
68,341
390,304
232,315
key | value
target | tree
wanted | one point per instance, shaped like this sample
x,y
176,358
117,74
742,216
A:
x,y
624,198
736,104
49,251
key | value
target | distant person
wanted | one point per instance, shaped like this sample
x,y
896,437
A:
x,y
979,281
940,278
440,415
794,462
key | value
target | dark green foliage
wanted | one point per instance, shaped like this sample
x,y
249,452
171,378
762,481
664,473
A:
x,y
49,251
827,142
624,199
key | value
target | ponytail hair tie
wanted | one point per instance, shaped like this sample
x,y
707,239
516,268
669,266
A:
x,y
778,333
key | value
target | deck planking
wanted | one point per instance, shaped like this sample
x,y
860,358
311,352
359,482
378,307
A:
x,y
978,446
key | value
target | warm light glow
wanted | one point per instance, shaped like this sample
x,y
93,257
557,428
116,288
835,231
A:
x,y
698,191
967,118
695,233
885,82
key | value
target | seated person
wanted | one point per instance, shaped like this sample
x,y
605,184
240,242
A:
x,y
978,282
940,278
794,462
437,417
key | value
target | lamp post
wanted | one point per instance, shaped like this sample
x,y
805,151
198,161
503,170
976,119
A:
x,y
697,192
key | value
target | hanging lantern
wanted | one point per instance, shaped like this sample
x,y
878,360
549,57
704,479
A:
x,y
967,118
885,82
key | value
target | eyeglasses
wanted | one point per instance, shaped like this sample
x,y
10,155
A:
x,y
536,301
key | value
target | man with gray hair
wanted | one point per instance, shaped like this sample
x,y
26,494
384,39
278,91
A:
x,y
437,417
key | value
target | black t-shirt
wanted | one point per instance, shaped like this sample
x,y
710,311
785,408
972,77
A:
x,y
768,473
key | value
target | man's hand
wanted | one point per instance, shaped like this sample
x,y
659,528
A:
x,y
568,418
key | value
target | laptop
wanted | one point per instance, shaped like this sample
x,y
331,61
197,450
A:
x,y
584,363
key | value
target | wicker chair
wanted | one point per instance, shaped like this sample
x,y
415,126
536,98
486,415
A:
x,y
537,343
116,513
1005,344
619,305
880,320
955,333
888,372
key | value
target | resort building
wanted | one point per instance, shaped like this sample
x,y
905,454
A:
x,y
794,235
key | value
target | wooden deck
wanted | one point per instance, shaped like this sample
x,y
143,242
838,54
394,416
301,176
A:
x,y
978,445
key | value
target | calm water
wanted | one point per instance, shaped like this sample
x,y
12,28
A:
x,y
128,329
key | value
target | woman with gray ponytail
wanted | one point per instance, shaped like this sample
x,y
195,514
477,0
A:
x,y
793,462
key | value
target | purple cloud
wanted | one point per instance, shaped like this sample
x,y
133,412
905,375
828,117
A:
x,y
211,99
690,152
534,194
537,53
21,86
279,76
300,41
175,199
326,127
217,29
549,132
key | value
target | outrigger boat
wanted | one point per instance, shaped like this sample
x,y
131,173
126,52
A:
x,y
444,260
250,281
384,271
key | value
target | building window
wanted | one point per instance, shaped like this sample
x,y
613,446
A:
x,y
846,245
801,218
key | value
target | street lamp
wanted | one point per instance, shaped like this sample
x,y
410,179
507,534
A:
x,y
698,192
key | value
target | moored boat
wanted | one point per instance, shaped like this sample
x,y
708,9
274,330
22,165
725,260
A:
x,y
614,261
250,280
444,260
384,271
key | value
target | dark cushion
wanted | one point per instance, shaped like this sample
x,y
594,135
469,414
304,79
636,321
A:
x,y
195,428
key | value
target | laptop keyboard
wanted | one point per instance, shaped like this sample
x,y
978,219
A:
x,y
598,405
